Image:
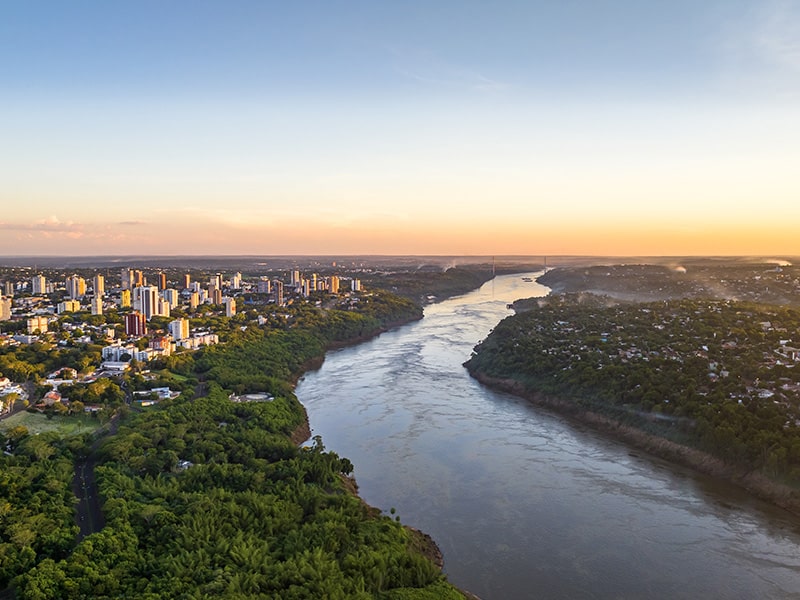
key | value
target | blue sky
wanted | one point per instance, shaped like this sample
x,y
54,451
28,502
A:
x,y
408,127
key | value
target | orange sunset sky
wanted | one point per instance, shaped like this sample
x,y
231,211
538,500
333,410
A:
x,y
458,128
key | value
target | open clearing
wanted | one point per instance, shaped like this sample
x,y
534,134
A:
x,y
38,423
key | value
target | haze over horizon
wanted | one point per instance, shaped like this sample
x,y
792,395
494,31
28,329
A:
x,y
612,128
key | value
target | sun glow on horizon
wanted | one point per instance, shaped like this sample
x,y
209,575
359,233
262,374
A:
x,y
404,139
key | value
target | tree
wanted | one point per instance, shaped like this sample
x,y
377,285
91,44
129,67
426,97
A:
x,y
15,434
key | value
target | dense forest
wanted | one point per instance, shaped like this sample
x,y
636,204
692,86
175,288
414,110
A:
x,y
429,282
204,497
721,376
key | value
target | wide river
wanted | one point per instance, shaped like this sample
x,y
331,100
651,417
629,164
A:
x,y
523,503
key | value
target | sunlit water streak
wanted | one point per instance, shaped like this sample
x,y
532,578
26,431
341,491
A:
x,y
523,503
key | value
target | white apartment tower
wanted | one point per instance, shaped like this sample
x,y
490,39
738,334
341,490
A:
x,y
38,285
147,297
179,329
127,276
97,305
171,296
76,287
230,307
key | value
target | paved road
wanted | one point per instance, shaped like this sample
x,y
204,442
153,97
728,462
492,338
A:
x,y
88,514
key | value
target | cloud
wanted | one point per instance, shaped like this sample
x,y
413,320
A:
x,y
52,228
426,68
131,223
761,51
51,224
777,34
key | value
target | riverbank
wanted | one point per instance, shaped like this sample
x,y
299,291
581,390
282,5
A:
x,y
753,482
303,431
420,542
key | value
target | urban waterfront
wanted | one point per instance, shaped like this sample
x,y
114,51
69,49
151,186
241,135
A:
x,y
523,503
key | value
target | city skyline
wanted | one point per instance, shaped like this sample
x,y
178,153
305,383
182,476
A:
x,y
583,128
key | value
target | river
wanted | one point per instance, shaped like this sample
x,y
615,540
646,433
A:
x,y
523,503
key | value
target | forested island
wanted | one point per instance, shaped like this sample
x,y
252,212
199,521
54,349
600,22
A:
x,y
205,493
709,382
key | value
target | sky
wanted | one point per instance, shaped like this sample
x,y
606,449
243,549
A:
x,y
591,127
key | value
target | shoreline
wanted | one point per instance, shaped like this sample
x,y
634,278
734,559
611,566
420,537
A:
x,y
315,363
758,485
420,541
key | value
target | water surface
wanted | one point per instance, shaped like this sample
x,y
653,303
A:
x,y
523,503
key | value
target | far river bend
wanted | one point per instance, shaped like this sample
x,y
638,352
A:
x,y
522,503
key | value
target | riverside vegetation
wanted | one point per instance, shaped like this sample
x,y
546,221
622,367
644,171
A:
x,y
719,376
203,497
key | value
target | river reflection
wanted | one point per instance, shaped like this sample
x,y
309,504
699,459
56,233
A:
x,y
523,503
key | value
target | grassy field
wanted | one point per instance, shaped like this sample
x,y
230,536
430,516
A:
x,y
38,423
170,375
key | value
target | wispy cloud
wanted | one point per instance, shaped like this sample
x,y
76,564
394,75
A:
x,y
777,34
51,224
52,228
425,67
762,49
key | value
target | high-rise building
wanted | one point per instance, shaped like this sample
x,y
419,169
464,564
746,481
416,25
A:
x,y
333,288
97,305
147,297
8,288
295,278
162,281
355,285
99,285
179,329
39,323
236,281
230,307
136,299
171,296
277,289
127,277
76,287
163,307
5,309
125,299
38,285
68,306
214,294
187,281
135,324
264,286
306,288
194,299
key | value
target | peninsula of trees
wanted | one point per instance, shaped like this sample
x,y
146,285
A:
x,y
717,375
